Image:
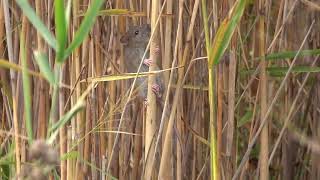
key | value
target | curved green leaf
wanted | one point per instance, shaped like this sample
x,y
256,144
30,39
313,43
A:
x,y
292,54
225,32
85,27
44,66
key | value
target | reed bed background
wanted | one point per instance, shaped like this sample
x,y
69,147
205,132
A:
x,y
241,90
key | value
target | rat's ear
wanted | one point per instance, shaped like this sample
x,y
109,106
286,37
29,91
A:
x,y
124,39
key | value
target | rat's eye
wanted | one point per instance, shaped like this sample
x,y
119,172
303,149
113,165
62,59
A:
x,y
136,33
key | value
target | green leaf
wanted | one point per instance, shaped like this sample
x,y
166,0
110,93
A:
x,y
292,54
61,30
85,27
225,32
7,163
26,90
44,66
70,155
70,114
68,12
247,117
64,119
281,71
37,23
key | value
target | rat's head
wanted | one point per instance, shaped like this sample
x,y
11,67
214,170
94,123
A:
x,y
136,35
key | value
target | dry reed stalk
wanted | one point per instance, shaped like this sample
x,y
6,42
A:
x,y
136,174
9,41
167,46
16,136
77,127
87,121
74,63
43,99
167,145
264,138
167,53
133,7
279,18
125,142
179,142
178,138
87,141
224,6
15,34
100,89
2,31
230,149
113,149
3,75
165,158
151,114
231,128
104,165
112,104
94,140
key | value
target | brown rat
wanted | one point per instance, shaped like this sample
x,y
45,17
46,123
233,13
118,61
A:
x,y
135,41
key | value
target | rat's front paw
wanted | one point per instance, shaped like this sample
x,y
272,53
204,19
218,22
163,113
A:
x,y
148,62
156,89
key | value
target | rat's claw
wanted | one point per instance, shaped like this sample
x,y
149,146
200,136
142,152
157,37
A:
x,y
145,102
156,89
147,62
157,49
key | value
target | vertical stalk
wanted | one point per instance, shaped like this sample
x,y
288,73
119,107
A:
x,y
100,87
213,152
231,131
76,124
3,73
213,144
70,174
26,81
219,113
9,41
264,168
112,104
151,114
165,162
168,38
62,130
16,137
42,118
